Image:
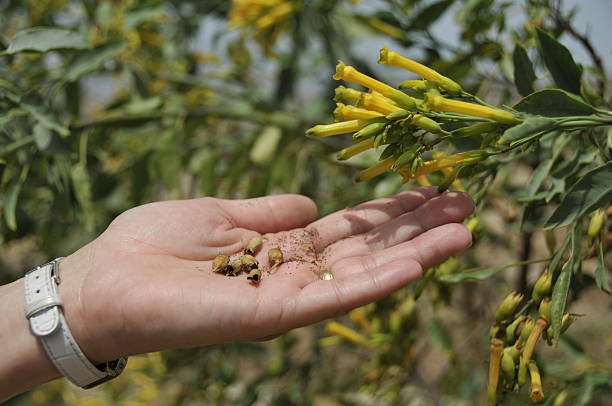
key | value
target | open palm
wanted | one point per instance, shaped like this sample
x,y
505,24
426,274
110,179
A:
x,y
147,283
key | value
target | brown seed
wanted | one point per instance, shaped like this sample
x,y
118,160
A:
x,y
275,257
254,245
235,267
254,275
220,263
249,262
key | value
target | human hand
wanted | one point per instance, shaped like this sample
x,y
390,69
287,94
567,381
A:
x,y
146,283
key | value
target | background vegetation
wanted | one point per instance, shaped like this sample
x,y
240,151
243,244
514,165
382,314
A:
x,y
105,105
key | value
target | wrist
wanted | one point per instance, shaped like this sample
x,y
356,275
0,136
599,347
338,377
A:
x,y
24,363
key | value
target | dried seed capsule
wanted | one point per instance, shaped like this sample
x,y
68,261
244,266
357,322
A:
x,y
275,257
220,263
254,245
235,267
326,275
254,275
249,262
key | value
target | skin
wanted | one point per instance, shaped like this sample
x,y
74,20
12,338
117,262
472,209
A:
x,y
146,284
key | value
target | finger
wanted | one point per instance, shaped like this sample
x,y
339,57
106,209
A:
x,y
447,208
428,249
357,283
270,214
366,216
324,299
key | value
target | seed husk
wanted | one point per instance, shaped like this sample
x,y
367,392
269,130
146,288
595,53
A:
x,y
220,263
236,266
249,262
254,245
254,275
275,257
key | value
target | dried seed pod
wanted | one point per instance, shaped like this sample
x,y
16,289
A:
x,y
326,275
275,257
254,245
249,262
235,267
220,263
254,275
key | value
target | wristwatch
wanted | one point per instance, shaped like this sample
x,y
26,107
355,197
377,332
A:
x,y
43,310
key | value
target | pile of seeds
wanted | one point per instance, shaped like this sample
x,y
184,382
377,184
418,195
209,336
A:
x,y
246,262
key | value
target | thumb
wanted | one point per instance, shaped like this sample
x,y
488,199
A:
x,y
271,214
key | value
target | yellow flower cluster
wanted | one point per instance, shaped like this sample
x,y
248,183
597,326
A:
x,y
387,116
266,19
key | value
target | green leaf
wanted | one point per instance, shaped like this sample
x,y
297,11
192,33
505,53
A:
x,y
265,145
590,192
554,103
531,125
524,74
10,203
560,63
43,39
479,274
34,105
10,206
91,60
429,15
42,136
537,177
559,298
440,336
601,277
82,190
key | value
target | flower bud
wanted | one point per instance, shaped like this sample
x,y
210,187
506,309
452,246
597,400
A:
x,y
370,130
596,223
346,95
542,287
508,306
475,129
353,150
544,309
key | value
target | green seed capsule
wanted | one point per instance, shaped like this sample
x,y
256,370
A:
x,y
370,130
220,263
542,287
507,308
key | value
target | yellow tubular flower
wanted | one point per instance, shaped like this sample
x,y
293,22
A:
x,y
350,74
394,59
343,127
422,180
344,112
334,327
376,103
439,103
353,150
277,14
346,95
376,170
444,162
537,393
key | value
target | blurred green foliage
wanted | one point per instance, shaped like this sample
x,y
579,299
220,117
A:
x,y
105,105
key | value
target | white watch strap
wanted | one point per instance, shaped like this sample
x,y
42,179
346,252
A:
x,y
42,308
